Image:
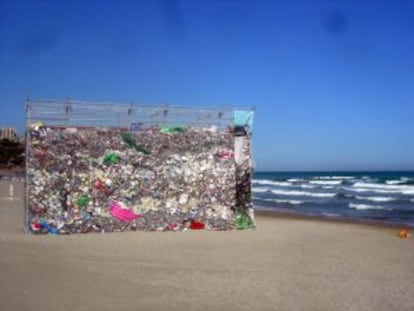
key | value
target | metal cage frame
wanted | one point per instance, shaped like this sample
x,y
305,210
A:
x,y
75,113
124,115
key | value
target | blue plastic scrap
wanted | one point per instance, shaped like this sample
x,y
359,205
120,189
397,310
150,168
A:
x,y
51,229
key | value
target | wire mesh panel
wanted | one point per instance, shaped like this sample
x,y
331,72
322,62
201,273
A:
x,y
103,167
106,114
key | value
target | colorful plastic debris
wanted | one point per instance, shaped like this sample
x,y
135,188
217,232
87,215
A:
x,y
129,139
172,130
242,222
118,211
197,225
111,158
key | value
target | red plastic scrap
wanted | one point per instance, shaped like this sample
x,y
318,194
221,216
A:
x,y
36,226
196,225
98,184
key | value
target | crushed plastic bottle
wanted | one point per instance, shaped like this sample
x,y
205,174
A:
x,y
242,222
111,158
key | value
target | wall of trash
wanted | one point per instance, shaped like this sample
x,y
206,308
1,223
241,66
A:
x,y
92,179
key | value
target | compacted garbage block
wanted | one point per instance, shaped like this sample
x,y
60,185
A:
x,y
96,167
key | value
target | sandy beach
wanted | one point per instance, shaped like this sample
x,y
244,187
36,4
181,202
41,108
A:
x,y
287,263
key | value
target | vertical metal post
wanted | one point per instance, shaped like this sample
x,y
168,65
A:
x,y
26,184
220,115
130,115
68,110
165,115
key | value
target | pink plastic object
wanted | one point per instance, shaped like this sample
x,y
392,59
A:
x,y
121,213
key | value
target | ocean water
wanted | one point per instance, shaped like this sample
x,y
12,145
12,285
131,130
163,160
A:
x,y
380,196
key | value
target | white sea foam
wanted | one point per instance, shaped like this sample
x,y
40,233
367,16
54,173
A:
x,y
333,177
295,179
306,186
325,182
366,206
381,186
402,180
271,182
330,214
343,177
260,189
361,184
393,182
302,193
293,202
386,191
376,199
404,189
328,187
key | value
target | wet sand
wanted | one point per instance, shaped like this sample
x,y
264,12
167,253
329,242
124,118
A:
x,y
287,263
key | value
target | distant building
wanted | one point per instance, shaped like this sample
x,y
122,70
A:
x,y
9,133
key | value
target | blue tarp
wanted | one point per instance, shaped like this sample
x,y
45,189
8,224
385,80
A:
x,y
244,118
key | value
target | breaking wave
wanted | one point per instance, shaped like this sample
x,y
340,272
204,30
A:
x,y
376,199
403,189
272,183
368,207
257,189
302,193
325,182
354,195
401,181
333,177
293,202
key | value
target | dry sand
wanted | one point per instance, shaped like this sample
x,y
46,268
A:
x,y
285,264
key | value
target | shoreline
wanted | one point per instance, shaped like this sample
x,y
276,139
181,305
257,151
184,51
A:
x,y
325,219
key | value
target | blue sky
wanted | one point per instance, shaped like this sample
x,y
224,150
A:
x,y
332,81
